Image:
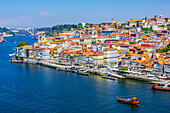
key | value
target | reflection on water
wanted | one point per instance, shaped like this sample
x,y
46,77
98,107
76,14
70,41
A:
x,y
134,108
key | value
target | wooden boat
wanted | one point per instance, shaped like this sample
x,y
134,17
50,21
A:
x,y
166,87
15,61
132,101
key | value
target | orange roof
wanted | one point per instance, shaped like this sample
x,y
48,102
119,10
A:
x,y
125,57
120,51
113,49
57,47
49,38
44,42
66,31
53,42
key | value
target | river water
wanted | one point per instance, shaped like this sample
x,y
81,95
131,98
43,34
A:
x,y
34,88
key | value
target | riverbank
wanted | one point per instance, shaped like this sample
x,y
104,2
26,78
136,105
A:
x,y
97,71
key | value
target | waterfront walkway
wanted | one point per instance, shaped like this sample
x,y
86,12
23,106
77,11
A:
x,y
103,71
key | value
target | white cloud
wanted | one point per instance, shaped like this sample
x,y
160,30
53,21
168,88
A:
x,y
46,14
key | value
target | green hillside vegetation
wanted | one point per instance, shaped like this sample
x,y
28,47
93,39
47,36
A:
x,y
164,50
147,30
22,44
123,69
65,27
4,29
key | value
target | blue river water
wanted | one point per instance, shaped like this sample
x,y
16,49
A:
x,y
34,88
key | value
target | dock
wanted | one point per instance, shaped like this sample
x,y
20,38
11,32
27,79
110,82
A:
x,y
116,75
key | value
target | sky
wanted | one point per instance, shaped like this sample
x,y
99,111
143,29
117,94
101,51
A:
x,y
47,13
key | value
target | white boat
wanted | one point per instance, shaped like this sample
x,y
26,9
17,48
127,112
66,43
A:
x,y
2,39
11,54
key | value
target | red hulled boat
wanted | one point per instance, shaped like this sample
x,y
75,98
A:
x,y
133,101
166,87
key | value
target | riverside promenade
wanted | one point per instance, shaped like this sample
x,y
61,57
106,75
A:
x,y
102,71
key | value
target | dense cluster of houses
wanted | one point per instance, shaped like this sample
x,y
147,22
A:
x,y
117,44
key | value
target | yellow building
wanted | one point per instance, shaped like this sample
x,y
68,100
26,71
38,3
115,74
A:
x,y
98,58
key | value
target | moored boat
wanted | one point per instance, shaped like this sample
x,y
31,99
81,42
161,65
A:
x,y
166,87
132,101
15,61
107,76
111,78
11,54
82,72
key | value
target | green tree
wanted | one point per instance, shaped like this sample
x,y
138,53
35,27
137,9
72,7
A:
x,y
168,28
132,42
157,50
22,44
77,43
155,32
93,42
99,40
123,69
146,30
161,50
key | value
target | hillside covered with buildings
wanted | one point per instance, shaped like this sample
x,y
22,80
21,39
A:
x,y
141,45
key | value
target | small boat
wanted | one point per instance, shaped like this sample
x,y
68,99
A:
x,y
11,54
107,76
71,70
111,78
132,101
82,72
86,73
67,70
61,69
15,61
166,87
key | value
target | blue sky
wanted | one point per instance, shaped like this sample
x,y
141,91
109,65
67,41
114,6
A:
x,y
44,13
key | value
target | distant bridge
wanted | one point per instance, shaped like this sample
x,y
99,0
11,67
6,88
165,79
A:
x,y
20,30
